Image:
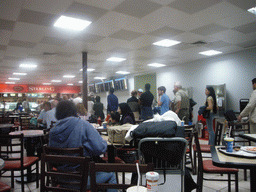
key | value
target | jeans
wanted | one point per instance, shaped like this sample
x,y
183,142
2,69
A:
x,y
209,122
105,177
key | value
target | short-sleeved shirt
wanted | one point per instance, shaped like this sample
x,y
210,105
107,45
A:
x,y
49,117
165,103
146,99
41,115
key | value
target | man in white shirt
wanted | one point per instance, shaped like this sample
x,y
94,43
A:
x,y
78,99
50,115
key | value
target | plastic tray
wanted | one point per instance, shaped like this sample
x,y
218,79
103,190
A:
x,y
239,153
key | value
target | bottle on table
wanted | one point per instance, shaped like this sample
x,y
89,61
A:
x,y
99,121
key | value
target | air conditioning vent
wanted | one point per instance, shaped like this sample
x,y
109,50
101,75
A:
x,y
199,43
50,54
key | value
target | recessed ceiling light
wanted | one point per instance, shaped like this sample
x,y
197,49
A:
x,y
14,78
88,69
56,81
123,72
116,59
72,23
252,10
46,83
70,84
99,78
28,65
210,52
166,43
10,82
80,81
68,76
156,65
19,73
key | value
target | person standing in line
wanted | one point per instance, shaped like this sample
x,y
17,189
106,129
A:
x,y
211,105
78,99
181,102
98,108
25,105
250,109
146,101
112,101
163,100
50,115
133,103
140,91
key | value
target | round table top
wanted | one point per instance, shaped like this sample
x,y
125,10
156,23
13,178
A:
x,y
28,133
1,163
6,125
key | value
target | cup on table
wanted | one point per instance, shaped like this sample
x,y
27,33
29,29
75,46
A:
x,y
229,142
134,189
104,125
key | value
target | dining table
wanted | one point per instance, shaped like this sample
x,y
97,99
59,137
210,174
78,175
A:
x,y
250,137
229,160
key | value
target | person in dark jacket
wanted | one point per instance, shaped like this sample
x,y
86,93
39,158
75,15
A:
x,y
112,101
127,114
98,108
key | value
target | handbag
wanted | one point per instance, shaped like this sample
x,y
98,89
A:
x,y
116,134
202,111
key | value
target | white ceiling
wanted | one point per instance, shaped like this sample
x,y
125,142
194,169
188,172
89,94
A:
x,y
120,28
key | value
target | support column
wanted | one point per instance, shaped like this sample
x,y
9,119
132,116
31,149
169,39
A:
x,y
84,86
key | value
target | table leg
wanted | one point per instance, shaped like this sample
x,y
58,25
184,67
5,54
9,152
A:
x,y
253,179
30,149
111,154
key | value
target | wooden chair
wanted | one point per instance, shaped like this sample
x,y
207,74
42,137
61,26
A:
x,y
237,127
65,181
189,137
16,161
207,148
206,166
25,122
4,187
114,167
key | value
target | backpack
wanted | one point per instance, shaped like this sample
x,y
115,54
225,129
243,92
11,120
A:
x,y
230,115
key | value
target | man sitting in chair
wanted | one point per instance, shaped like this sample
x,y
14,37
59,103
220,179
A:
x,y
72,132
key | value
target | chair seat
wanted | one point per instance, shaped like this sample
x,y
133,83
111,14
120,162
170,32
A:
x,y
117,160
209,167
27,161
204,148
4,187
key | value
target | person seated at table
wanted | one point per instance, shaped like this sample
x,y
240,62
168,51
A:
x,y
114,119
72,132
127,114
81,111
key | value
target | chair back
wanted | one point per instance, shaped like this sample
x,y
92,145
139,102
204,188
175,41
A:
x,y
65,181
237,127
63,151
25,122
114,167
218,133
165,153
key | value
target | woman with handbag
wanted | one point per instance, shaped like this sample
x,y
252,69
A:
x,y
210,111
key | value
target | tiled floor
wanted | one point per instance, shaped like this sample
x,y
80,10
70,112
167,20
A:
x,y
208,186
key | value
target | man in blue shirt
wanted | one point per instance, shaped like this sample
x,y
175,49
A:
x,y
163,100
112,101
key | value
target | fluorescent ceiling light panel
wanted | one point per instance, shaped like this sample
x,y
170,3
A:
x,y
210,52
252,10
71,23
28,65
99,78
156,65
80,81
10,82
19,73
70,84
68,76
46,83
166,43
14,78
56,81
123,72
116,59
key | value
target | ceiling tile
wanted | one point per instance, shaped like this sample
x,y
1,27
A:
x,y
38,18
163,2
137,8
125,35
217,44
209,29
109,5
120,50
10,9
192,6
21,44
248,44
84,11
166,32
182,46
48,6
247,28
89,38
53,41
3,47
245,4
4,37
14,51
6,25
